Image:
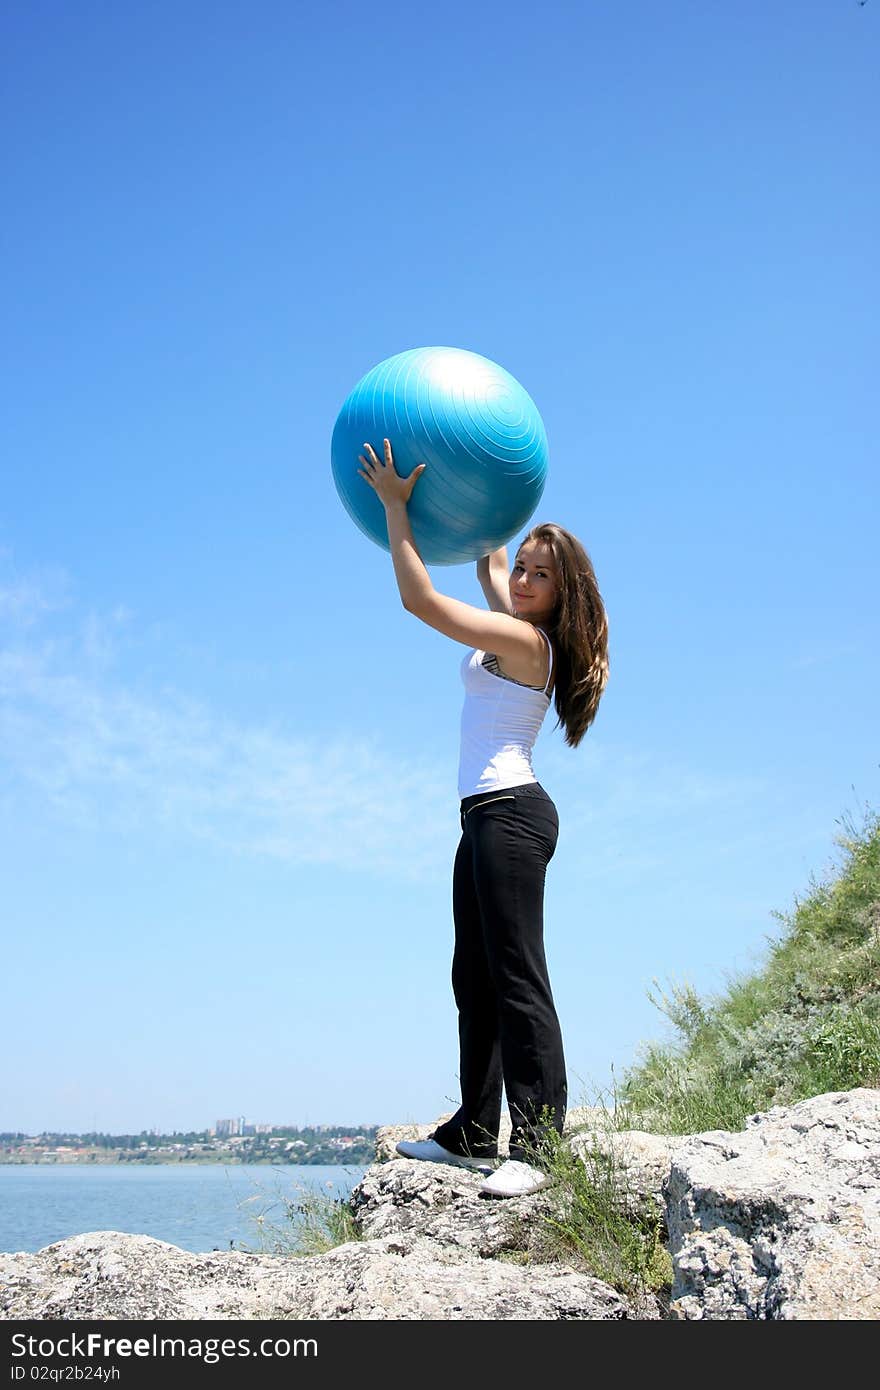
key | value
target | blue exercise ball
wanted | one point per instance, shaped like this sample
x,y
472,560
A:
x,y
475,427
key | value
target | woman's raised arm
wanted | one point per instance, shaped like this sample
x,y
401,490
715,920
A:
x,y
497,631
493,573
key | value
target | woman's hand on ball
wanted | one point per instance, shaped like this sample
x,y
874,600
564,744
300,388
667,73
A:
x,y
384,479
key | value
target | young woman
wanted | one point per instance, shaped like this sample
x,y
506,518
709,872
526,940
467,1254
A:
x,y
544,636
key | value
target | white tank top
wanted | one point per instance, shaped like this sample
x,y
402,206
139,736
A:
x,y
500,721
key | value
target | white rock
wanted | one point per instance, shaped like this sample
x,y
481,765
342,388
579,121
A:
x,y
781,1220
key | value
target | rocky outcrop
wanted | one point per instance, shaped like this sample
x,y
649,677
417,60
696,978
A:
x,y
781,1220
431,1248
108,1275
778,1221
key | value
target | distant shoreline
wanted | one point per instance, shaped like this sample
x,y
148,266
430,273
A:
x,y
329,1146
224,1160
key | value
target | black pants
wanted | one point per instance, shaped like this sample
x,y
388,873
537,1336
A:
x,y
507,1025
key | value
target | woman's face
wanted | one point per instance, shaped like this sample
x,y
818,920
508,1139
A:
x,y
534,582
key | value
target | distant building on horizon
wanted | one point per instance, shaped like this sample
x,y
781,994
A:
x,y
225,1129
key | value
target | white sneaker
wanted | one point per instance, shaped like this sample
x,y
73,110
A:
x,y
515,1179
433,1152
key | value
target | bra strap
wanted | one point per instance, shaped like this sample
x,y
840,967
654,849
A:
x,y
550,659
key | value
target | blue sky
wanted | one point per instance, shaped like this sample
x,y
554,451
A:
x,y
227,756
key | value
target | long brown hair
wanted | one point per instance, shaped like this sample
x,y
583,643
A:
x,y
579,631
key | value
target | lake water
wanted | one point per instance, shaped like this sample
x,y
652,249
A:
x,y
196,1206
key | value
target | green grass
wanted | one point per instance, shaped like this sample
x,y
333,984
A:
x,y
319,1223
807,1022
309,1223
594,1221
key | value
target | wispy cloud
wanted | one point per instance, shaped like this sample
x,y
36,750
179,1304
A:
x,y
24,601
92,750
100,754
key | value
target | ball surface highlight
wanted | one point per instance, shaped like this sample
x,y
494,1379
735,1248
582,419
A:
x,y
475,427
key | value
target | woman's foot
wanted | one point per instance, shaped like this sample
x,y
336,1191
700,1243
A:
x,y
515,1179
432,1152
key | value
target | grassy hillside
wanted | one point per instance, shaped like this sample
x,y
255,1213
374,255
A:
x,y
807,1022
